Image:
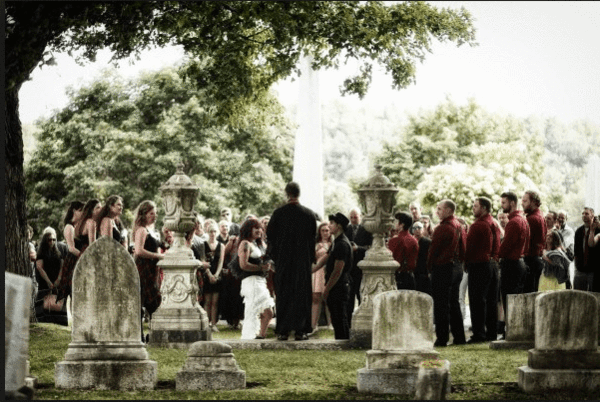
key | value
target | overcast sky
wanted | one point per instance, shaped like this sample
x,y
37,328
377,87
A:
x,y
533,58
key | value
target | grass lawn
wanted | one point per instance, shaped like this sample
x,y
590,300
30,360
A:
x,y
477,372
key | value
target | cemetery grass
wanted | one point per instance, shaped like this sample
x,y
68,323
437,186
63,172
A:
x,y
477,372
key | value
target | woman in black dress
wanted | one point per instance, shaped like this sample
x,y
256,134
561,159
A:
x,y
214,254
146,256
231,304
76,247
47,274
108,219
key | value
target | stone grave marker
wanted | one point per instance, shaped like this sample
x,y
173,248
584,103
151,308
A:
x,y
210,365
520,322
106,351
566,352
17,303
403,337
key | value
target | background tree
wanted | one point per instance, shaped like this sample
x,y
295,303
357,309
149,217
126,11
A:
x,y
460,140
247,45
125,137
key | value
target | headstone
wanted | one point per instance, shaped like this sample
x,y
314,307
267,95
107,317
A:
x,y
520,322
597,296
17,308
210,365
403,337
106,351
566,352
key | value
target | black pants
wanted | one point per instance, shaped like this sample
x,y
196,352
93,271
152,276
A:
x,y
512,279
354,292
405,280
535,265
483,299
337,301
423,283
445,287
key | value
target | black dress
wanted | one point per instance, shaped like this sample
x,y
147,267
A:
x,y
149,276
231,303
52,263
212,257
66,282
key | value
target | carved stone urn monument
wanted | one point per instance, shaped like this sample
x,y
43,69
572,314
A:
x,y
180,320
378,197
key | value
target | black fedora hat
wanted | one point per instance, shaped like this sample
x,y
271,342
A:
x,y
341,219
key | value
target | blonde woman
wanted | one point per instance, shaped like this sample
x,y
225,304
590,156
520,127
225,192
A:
x,y
322,247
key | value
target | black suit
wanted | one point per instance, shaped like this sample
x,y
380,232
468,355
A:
x,y
363,239
593,260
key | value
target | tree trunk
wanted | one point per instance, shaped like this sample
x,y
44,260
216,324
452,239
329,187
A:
x,y
15,240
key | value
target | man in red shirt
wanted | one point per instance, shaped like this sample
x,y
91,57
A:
x,y
481,262
512,249
444,261
405,250
537,241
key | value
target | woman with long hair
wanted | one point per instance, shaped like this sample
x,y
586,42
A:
x,y
146,256
87,224
47,274
556,263
76,245
322,247
214,253
108,218
258,302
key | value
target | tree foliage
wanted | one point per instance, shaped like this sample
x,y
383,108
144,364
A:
x,y
125,137
247,47
437,148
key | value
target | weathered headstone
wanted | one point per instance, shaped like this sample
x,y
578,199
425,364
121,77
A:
x,y
210,365
402,338
597,296
106,351
17,303
566,352
520,322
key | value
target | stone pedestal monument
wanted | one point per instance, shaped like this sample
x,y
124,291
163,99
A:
x,y
106,351
402,339
210,365
566,352
378,196
180,320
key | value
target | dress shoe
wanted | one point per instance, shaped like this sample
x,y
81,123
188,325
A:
x,y
440,344
473,340
282,337
259,337
301,336
460,342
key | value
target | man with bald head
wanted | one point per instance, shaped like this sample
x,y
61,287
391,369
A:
x,y
445,262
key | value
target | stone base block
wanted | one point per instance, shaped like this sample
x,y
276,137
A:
x,y
178,338
106,375
563,359
538,380
521,345
210,380
387,381
398,359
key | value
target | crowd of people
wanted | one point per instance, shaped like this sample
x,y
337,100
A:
x,y
292,264
521,251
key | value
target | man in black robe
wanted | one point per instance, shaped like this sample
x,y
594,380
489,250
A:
x,y
292,235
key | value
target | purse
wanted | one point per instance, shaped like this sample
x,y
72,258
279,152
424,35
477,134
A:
x,y
51,304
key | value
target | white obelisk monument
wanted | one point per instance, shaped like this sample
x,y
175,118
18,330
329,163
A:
x,y
308,150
